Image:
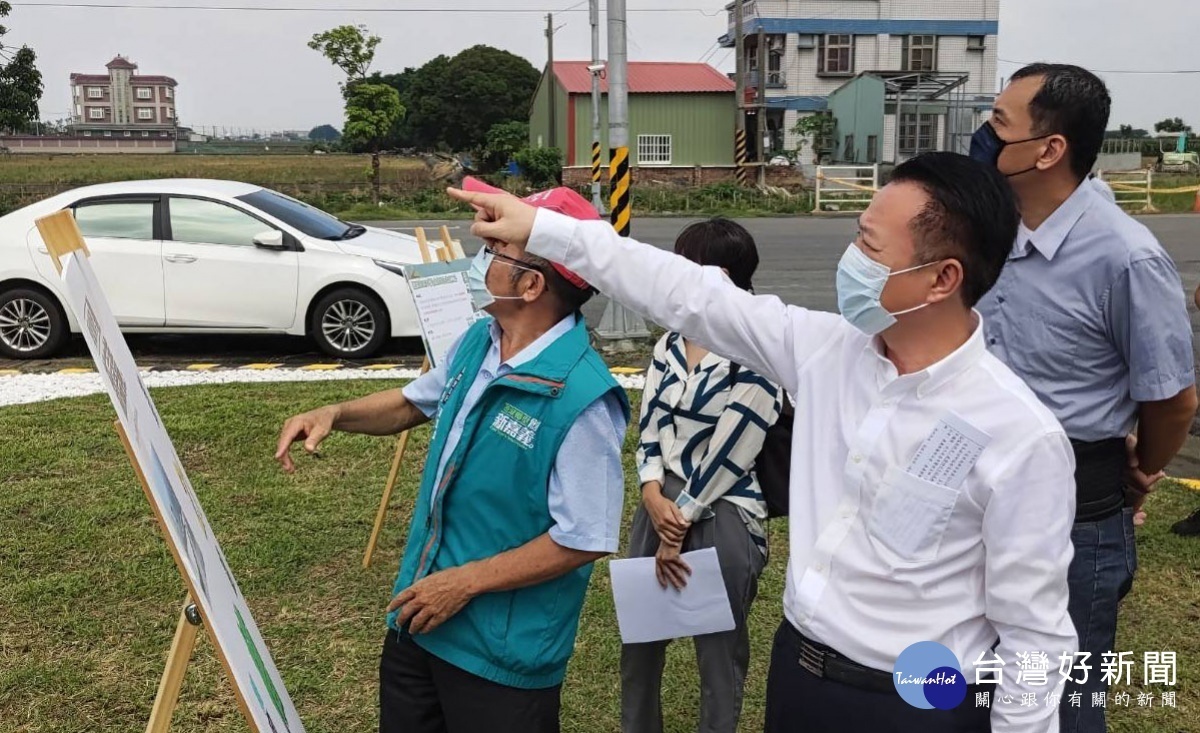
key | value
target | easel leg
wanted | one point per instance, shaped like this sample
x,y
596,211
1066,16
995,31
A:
x,y
380,515
401,445
177,662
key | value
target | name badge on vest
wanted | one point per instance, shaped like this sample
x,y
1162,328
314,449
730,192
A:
x,y
516,426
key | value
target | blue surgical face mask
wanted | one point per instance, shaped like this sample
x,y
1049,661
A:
x,y
481,297
860,283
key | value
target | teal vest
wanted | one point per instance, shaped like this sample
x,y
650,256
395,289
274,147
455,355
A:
x,y
493,498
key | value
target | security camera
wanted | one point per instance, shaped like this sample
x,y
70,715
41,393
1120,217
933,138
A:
x,y
595,68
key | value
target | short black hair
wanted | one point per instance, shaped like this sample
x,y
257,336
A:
x,y
721,242
971,217
571,297
1073,102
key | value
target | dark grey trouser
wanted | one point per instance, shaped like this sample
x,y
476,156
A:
x,y
722,658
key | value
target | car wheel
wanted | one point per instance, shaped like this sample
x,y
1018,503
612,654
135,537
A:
x,y
349,323
32,326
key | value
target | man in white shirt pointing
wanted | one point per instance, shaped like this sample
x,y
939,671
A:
x,y
932,495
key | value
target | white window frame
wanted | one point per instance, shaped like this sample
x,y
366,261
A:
x,y
145,114
918,132
654,150
827,47
128,133
170,113
912,48
87,133
92,113
145,93
108,133
145,133
170,93
95,93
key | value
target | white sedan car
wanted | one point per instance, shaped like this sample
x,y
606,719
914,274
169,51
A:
x,y
202,256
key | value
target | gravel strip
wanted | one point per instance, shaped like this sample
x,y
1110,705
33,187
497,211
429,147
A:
x,y
25,388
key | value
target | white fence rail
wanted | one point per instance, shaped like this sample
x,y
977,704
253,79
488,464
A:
x,y
845,187
1131,188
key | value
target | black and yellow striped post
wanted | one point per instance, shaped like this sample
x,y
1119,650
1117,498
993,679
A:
x,y
740,156
619,180
596,162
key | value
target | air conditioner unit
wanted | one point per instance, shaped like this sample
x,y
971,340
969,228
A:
x,y
776,43
807,40
975,43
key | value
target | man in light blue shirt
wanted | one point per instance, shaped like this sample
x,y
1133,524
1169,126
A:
x,y
1089,310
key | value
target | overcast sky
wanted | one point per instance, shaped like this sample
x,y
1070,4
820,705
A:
x,y
253,69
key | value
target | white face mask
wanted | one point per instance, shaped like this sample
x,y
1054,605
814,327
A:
x,y
481,297
860,283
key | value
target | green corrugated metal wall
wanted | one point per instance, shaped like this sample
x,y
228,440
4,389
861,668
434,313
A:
x,y
700,125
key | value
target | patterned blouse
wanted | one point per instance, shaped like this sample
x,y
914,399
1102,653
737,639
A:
x,y
706,427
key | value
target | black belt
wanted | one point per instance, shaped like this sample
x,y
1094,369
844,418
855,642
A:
x,y
826,663
1099,478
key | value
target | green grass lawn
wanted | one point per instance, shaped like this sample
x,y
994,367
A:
x,y
89,594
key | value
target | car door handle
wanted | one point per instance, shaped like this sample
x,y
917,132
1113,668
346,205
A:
x,y
184,259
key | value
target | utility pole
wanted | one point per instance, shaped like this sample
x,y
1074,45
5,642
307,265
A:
x,y
553,82
619,326
740,81
594,13
761,127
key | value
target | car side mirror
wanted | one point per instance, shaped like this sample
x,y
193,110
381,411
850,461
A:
x,y
269,240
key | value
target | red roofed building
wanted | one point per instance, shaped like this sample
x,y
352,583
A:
x,y
680,114
123,103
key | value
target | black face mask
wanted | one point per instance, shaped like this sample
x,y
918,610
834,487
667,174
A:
x,y
986,147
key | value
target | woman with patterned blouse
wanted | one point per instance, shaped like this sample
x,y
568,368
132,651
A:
x,y
703,423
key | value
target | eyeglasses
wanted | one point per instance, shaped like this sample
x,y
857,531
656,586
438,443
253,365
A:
x,y
513,261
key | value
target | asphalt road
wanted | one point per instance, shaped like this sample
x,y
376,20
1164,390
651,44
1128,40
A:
x,y
798,256
798,260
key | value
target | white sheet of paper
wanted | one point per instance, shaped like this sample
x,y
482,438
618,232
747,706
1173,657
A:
x,y
947,455
444,309
648,612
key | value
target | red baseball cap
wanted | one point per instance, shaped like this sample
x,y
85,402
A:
x,y
562,200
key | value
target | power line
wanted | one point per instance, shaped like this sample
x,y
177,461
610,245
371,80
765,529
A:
x,y
259,9
1116,71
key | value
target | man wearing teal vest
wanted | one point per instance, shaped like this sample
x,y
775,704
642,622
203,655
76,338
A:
x,y
521,493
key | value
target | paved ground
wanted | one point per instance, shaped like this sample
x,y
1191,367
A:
x,y
799,256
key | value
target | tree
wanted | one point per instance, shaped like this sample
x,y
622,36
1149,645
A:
x,y
452,103
1172,124
817,130
349,48
373,111
20,82
485,86
324,134
503,141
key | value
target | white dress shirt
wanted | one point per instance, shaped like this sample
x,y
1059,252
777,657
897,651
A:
x,y
881,559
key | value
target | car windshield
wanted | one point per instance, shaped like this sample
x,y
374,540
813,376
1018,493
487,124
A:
x,y
308,219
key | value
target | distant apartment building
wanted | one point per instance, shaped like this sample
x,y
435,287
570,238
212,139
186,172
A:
x,y
901,76
123,104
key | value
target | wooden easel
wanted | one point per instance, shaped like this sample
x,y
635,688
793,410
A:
x,y
191,618
61,236
450,250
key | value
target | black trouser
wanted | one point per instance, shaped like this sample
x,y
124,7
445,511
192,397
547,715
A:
x,y
419,693
798,701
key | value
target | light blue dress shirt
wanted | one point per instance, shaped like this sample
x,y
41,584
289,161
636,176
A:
x,y
1090,311
587,482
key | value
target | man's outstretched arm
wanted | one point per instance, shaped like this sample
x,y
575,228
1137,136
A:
x,y
760,332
